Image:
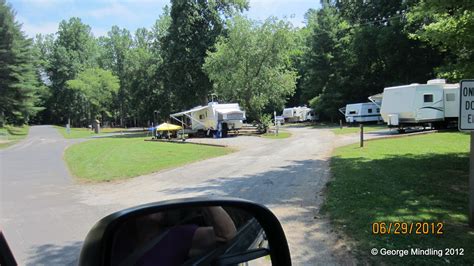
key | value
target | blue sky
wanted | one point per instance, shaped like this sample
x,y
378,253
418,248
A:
x,y
43,16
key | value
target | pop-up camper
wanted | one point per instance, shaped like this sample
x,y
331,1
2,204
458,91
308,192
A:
x,y
433,104
299,114
361,112
207,119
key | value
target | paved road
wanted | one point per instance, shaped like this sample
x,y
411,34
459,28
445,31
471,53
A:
x,y
46,214
41,214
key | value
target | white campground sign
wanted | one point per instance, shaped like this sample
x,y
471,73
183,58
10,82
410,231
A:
x,y
466,122
466,105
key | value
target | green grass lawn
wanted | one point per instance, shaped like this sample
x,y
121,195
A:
x,y
79,133
413,179
281,135
356,129
126,156
10,135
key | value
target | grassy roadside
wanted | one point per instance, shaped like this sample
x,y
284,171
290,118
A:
x,y
79,133
125,156
9,135
413,179
355,129
281,135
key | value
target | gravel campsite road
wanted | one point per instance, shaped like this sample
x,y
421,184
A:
x,y
45,214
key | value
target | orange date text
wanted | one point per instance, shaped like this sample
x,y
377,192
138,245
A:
x,y
407,228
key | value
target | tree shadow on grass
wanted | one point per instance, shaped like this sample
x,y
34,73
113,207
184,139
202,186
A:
x,y
51,254
407,188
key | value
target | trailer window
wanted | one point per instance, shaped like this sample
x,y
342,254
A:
x,y
428,98
353,112
369,110
378,110
450,97
201,117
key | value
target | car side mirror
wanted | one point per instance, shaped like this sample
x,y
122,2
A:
x,y
6,255
192,231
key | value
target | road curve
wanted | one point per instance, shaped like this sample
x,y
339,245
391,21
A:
x,y
40,213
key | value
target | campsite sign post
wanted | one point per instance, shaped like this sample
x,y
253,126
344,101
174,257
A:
x,y
466,123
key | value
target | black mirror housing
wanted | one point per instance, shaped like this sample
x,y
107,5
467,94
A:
x,y
6,255
98,245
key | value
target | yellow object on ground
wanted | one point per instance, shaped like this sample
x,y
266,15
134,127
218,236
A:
x,y
167,127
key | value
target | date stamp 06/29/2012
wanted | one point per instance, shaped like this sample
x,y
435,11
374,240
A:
x,y
412,228
408,228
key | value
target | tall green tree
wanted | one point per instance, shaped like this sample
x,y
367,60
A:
x,y
97,89
160,30
74,50
43,47
144,86
115,47
447,25
195,26
298,57
135,61
252,65
19,80
384,53
147,96
327,62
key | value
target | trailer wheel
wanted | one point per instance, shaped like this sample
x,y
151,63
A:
x,y
401,130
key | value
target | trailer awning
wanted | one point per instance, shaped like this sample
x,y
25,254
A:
x,y
187,114
376,99
195,109
342,110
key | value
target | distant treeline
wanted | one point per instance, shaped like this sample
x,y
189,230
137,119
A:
x,y
347,51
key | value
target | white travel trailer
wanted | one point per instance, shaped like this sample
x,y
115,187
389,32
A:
x,y
361,113
299,114
209,118
433,104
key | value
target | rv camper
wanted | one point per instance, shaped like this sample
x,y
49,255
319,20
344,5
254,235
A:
x,y
206,120
299,114
361,113
433,104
